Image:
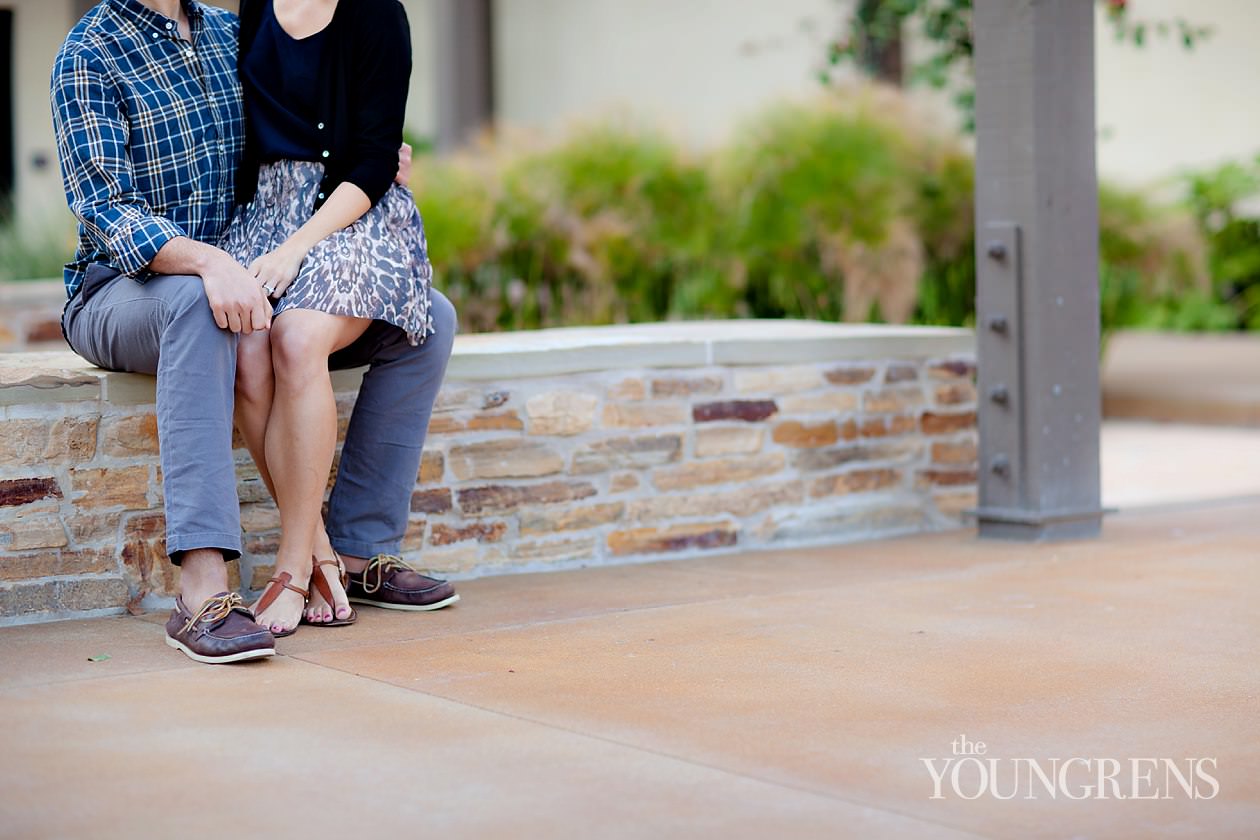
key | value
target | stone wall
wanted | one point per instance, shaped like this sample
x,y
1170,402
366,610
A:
x,y
30,315
547,449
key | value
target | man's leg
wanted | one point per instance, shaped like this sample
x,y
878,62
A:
x,y
165,327
381,457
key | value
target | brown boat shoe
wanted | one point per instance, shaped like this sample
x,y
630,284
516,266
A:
x,y
391,583
222,631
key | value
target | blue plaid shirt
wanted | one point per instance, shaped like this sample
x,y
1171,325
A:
x,y
149,131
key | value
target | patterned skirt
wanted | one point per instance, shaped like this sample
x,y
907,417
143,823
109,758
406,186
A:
x,y
378,267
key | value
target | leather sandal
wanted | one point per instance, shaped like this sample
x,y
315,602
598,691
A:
x,y
321,586
272,592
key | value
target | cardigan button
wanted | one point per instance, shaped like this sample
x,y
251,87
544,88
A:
x,y
321,196
320,126
325,153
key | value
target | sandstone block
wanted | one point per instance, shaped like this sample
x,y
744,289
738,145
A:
x,y
955,393
955,504
778,380
944,424
28,599
437,500
739,503
23,441
485,532
554,551
892,401
729,440
952,369
644,415
126,487
806,435
748,411
686,386
628,390
495,421
129,436
817,460
894,426
673,539
500,499
850,375
634,453
413,538
856,481
560,413
954,453
830,524
718,471
432,467
260,517
511,458
828,402
28,530
570,519
73,440
623,482
15,492
944,478
92,594
88,527
900,372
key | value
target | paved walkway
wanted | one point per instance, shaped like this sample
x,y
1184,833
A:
x,y
786,695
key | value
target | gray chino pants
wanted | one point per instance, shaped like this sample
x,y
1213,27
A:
x,y
164,327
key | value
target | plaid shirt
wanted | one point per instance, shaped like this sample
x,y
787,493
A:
x,y
149,131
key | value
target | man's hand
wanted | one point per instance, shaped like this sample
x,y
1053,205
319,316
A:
x,y
404,165
236,298
275,270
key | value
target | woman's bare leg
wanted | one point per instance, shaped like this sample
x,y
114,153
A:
x,y
255,391
301,435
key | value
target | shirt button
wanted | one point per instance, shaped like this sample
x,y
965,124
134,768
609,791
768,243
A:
x,y
155,34
169,26
324,153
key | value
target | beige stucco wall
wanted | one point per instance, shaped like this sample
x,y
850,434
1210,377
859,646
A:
x,y
38,28
1161,109
1164,109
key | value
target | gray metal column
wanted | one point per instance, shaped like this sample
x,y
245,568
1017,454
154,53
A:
x,y
465,77
1037,269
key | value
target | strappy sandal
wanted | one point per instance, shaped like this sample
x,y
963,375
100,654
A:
x,y
272,592
321,586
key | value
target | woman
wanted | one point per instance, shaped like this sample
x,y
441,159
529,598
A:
x,y
334,242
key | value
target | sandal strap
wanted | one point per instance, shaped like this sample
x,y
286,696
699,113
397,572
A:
x,y
272,592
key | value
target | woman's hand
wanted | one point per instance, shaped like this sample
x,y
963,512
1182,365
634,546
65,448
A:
x,y
276,269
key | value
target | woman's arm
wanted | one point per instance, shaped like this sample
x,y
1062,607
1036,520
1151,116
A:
x,y
276,269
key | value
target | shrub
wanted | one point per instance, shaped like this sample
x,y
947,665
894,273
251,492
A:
x,y
831,210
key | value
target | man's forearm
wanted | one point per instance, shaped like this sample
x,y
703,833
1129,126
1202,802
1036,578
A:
x,y
182,255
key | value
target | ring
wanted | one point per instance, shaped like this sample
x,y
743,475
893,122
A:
x,y
270,290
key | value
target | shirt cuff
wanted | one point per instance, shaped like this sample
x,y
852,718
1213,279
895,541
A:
x,y
136,246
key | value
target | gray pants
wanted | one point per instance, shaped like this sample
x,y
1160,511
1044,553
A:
x,y
164,327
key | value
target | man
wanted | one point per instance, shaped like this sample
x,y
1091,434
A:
x,y
147,112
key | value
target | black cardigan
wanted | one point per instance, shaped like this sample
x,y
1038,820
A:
x,y
362,96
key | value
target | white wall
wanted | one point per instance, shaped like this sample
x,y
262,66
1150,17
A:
x,y
1163,109
39,27
684,62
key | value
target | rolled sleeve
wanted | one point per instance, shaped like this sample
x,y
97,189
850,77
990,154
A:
x,y
92,141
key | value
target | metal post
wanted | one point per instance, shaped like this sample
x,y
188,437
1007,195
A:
x,y
465,77
1037,269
